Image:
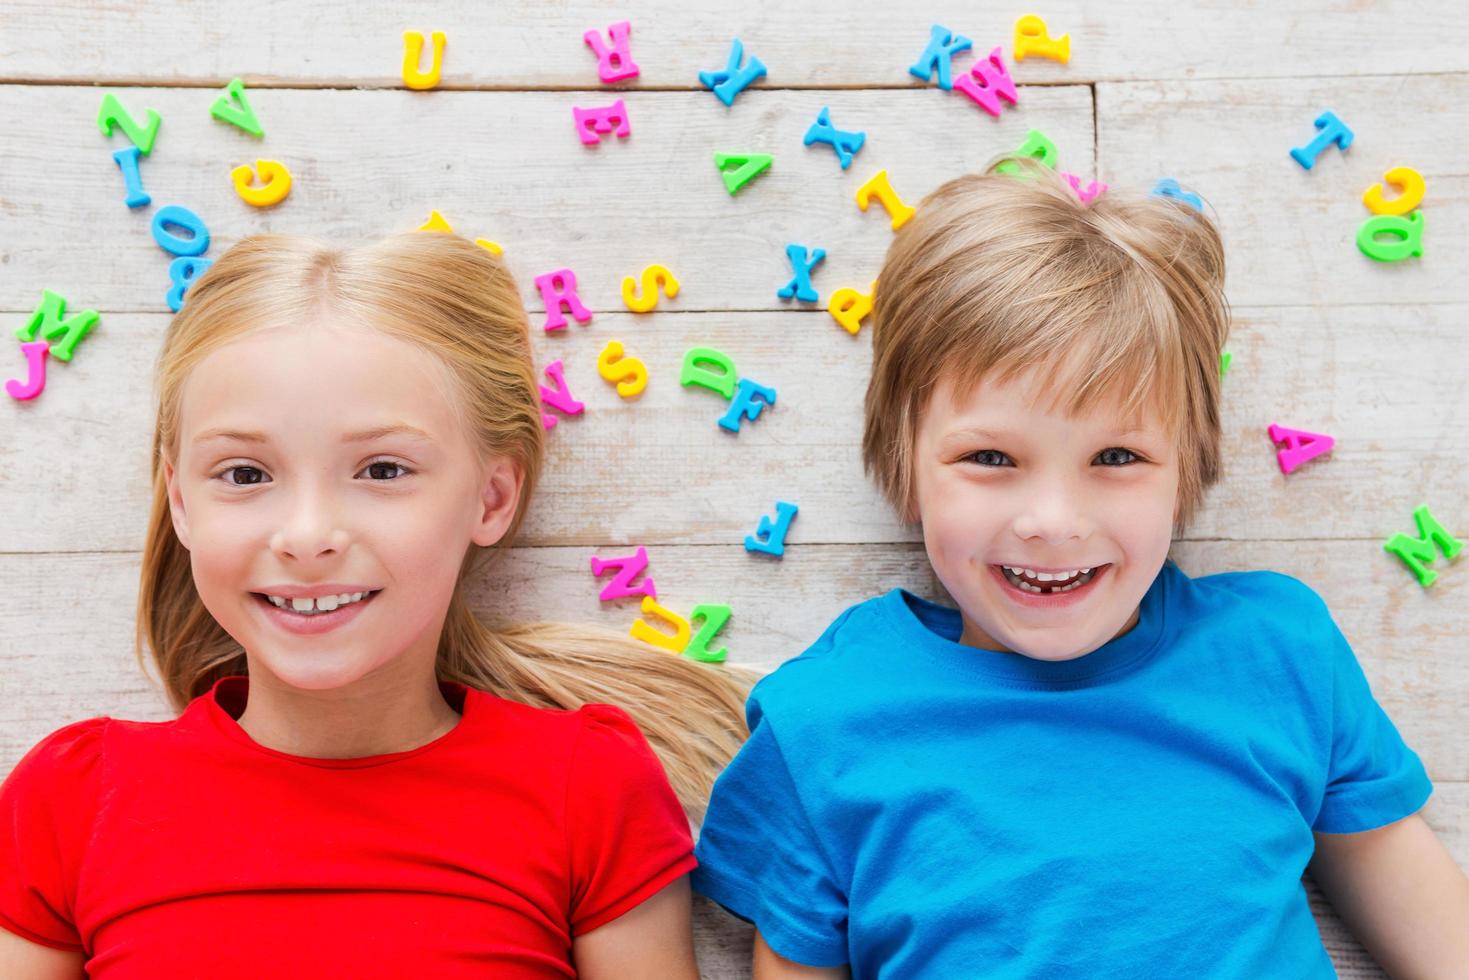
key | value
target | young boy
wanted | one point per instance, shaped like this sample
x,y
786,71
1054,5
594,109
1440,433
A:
x,y
1096,766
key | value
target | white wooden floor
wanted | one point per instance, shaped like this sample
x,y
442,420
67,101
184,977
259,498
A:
x,y
1214,95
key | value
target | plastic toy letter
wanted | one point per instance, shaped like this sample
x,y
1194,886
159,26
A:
x,y
695,371
845,143
113,114
848,306
180,217
601,119
629,373
182,272
652,277
234,108
642,631
1405,237
739,169
732,80
878,186
987,83
413,52
275,183
746,404
942,46
627,569
558,288
558,397
1415,551
771,538
35,383
1300,446
803,261
1406,179
47,320
1038,145
1031,38
1333,130
614,61
127,162
714,617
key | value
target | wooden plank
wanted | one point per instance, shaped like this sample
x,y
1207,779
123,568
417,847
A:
x,y
1291,233
827,43
507,166
658,469
80,665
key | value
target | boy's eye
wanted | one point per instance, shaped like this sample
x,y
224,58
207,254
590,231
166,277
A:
x,y
255,474
1120,457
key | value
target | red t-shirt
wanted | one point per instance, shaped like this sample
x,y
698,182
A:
x,y
186,849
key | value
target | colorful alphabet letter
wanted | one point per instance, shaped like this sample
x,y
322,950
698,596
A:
x,y
802,261
47,320
1415,551
626,569
614,62
746,403
558,397
695,371
769,537
732,80
557,289
844,142
413,76
878,186
987,83
738,169
275,183
942,46
601,119
848,306
1300,446
1031,38
652,277
1333,130
234,108
628,373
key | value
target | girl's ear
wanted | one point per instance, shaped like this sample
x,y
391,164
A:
x,y
499,500
176,504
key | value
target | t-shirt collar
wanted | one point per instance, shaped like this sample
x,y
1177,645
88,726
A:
x,y
934,630
217,709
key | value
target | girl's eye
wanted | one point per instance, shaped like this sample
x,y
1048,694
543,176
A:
x,y
257,476
984,456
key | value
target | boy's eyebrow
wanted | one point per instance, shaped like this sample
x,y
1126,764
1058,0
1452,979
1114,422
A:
x,y
987,434
365,435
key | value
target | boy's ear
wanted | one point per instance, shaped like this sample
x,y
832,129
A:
x,y
176,504
500,490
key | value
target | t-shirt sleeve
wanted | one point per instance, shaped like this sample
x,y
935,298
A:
x,y
761,858
47,804
629,836
1373,777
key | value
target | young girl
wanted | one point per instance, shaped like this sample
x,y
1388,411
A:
x,y
365,779
1095,766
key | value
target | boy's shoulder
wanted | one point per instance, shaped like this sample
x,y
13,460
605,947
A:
x,y
1281,596
839,661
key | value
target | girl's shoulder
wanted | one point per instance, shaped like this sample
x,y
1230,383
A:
x,y
62,764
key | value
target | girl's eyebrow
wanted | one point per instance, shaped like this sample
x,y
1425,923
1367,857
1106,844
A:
x,y
365,435
967,432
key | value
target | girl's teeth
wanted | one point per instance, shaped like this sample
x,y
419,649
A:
x,y
312,607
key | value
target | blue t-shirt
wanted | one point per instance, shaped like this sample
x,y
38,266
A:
x,y
920,808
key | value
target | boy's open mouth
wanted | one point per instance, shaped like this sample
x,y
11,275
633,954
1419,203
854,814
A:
x,y
1035,587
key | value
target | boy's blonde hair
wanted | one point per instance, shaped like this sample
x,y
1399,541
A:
x,y
999,272
455,300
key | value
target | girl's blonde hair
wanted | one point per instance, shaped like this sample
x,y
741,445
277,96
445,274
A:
x,y
454,299
1004,271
